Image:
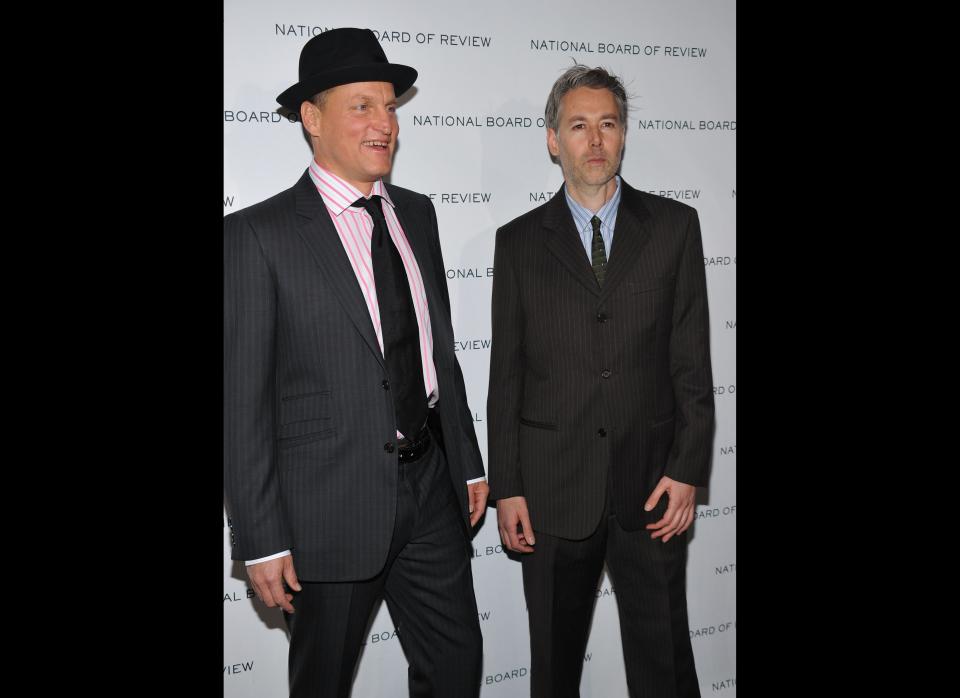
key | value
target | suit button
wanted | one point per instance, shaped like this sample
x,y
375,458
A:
x,y
388,447
385,385
605,373
601,432
601,317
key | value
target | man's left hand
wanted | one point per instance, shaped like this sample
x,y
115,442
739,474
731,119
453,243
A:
x,y
680,508
477,494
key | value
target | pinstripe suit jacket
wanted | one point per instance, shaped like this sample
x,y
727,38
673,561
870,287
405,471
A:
x,y
586,381
306,413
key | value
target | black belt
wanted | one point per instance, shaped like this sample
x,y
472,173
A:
x,y
409,450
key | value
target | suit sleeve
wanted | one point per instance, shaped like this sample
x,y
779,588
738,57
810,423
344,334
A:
x,y
690,369
251,484
472,465
506,377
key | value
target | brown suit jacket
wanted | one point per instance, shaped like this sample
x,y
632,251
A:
x,y
589,383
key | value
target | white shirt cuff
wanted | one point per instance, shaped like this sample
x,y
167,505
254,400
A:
x,y
268,557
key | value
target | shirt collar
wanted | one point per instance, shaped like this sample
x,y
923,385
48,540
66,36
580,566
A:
x,y
337,193
582,215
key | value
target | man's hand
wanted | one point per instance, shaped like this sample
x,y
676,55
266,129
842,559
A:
x,y
477,494
680,508
510,512
267,579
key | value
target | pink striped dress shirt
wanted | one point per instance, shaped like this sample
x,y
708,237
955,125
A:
x,y
355,228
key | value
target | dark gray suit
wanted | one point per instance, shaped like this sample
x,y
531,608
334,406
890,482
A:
x,y
595,394
309,422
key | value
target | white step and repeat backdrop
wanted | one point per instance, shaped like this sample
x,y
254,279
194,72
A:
x,y
472,137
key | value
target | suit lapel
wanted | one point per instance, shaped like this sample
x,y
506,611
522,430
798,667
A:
x,y
629,237
564,241
321,238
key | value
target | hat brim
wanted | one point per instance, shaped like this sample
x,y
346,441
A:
x,y
402,77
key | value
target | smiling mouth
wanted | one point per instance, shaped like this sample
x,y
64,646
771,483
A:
x,y
376,145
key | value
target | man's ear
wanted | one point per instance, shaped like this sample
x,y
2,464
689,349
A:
x,y
552,144
310,116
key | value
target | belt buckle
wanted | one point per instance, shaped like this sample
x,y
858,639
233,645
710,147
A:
x,y
415,447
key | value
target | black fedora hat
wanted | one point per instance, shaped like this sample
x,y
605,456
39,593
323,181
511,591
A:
x,y
341,56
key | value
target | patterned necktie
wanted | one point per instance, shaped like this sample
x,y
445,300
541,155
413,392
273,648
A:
x,y
599,256
398,324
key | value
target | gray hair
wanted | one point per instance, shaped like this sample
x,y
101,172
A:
x,y
582,76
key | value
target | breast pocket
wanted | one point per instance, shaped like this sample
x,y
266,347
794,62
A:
x,y
647,285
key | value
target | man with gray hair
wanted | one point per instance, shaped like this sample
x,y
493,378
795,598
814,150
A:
x,y
600,405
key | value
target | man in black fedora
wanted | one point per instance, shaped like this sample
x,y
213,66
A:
x,y
351,465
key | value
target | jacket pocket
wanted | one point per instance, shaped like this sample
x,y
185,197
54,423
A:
x,y
304,439
306,407
662,421
552,426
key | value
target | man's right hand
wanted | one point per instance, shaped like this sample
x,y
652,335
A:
x,y
510,512
267,579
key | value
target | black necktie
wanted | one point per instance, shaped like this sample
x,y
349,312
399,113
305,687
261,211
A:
x,y
599,257
398,325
